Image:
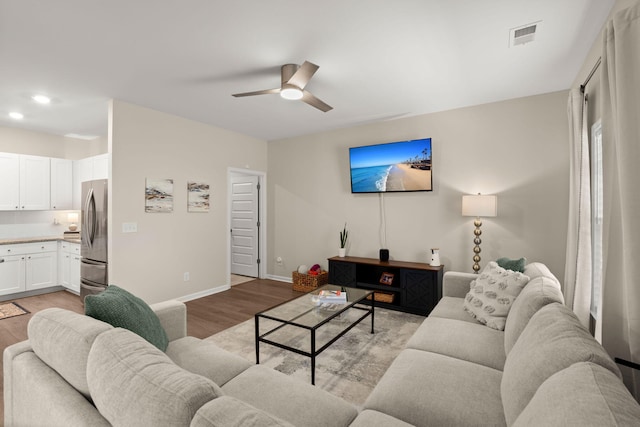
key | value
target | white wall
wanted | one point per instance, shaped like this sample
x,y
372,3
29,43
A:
x,y
149,144
21,141
516,149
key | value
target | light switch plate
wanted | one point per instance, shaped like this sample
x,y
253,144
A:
x,y
129,227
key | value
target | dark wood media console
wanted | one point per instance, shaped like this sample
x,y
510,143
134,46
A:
x,y
416,287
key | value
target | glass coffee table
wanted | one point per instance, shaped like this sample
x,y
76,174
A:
x,y
306,327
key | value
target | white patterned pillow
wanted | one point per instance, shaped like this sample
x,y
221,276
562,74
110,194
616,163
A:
x,y
491,295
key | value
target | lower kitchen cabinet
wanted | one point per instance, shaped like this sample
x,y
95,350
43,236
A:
x,y
27,267
69,266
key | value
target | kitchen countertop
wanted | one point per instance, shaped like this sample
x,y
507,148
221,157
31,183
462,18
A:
x,y
17,240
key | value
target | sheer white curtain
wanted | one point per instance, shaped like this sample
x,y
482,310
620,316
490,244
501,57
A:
x,y
621,190
577,277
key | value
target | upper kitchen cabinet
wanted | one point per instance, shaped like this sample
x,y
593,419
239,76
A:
x,y
35,183
88,169
61,184
24,182
9,179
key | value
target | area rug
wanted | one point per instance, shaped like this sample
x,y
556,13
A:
x,y
349,368
11,309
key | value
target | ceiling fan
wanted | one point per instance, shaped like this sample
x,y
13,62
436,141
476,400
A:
x,y
294,78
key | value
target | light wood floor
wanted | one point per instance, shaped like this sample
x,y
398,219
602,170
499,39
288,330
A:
x,y
205,316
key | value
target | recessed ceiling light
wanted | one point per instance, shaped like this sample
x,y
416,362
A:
x,y
41,99
16,116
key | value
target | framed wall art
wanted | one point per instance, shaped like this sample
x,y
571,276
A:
x,y
158,195
197,196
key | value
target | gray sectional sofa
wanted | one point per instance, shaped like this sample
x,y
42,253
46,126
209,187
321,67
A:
x,y
544,369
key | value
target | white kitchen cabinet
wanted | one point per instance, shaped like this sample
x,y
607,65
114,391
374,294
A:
x,y
41,270
61,184
35,183
9,181
12,274
88,169
28,266
101,166
69,266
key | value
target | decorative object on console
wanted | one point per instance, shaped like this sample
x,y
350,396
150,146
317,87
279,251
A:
x,y
435,257
73,221
491,295
386,278
344,236
479,206
384,255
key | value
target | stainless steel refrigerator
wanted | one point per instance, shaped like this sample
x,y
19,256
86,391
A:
x,y
94,265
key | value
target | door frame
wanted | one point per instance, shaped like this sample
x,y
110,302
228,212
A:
x,y
262,217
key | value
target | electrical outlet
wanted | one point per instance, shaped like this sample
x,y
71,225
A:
x,y
279,260
186,276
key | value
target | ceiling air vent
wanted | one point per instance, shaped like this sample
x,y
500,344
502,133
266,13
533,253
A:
x,y
522,35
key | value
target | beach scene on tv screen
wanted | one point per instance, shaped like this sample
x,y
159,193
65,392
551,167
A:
x,y
397,166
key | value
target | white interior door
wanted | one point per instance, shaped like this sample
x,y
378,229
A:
x,y
244,225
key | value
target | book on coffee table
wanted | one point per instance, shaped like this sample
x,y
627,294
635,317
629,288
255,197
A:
x,y
335,297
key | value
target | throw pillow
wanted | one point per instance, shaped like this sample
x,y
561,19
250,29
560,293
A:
x,y
491,295
122,309
512,264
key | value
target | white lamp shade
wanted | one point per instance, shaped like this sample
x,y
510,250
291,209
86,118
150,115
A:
x,y
72,217
480,205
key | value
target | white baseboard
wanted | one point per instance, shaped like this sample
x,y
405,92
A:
x,y
280,278
204,293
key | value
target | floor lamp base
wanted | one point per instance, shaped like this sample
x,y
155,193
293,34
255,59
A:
x,y
476,249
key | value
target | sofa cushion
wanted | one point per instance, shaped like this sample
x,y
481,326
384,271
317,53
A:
x,y
538,269
134,383
62,339
371,418
207,359
463,340
294,401
430,389
583,394
492,294
452,308
535,295
512,264
124,310
553,340
229,412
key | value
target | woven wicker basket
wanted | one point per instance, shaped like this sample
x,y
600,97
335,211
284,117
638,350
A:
x,y
307,282
383,297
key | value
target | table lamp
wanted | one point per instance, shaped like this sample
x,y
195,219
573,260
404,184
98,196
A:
x,y
73,221
479,206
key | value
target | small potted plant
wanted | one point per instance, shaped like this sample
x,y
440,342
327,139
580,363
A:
x,y
344,235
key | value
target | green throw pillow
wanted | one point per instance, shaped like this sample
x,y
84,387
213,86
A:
x,y
121,309
512,264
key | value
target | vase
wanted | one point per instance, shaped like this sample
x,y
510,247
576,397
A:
x,y
435,257
342,252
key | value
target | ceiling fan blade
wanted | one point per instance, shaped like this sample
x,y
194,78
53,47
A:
x,y
315,102
258,92
301,77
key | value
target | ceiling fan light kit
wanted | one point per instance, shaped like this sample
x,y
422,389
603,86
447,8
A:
x,y
293,79
290,92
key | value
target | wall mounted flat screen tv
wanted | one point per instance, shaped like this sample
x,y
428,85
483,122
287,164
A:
x,y
392,167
